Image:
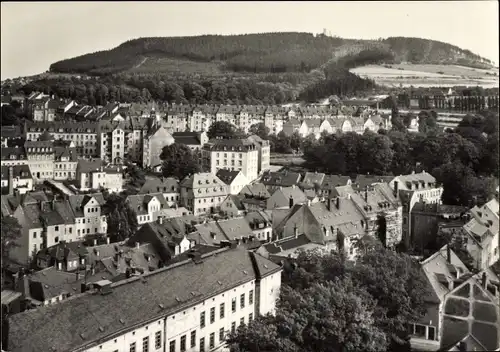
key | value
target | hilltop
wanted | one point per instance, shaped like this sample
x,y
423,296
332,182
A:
x,y
257,53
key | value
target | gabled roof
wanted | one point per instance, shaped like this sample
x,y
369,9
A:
x,y
161,185
281,197
282,178
187,138
19,171
236,201
255,190
139,202
362,181
227,176
207,183
312,178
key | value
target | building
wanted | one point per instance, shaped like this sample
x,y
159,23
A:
x,y
153,143
233,206
168,186
223,291
286,197
482,240
194,140
11,136
16,179
440,270
203,193
235,180
275,180
426,219
93,175
232,154
264,149
261,224
147,207
413,188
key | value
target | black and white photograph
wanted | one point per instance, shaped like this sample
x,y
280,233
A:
x,y
250,176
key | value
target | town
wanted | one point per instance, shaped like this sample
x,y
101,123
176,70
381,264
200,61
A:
x,y
98,224
259,191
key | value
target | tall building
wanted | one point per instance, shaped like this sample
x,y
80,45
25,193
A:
x,y
152,146
232,154
207,296
203,193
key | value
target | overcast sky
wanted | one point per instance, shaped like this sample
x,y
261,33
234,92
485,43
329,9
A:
x,y
34,35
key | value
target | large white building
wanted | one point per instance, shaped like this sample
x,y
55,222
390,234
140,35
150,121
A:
x,y
185,307
232,154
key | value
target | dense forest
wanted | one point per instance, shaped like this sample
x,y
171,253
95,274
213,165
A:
x,y
266,52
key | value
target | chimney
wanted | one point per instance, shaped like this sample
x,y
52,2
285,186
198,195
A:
x,y
290,202
160,220
448,253
396,184
337,202
366,194
95,242
11,181
137,245
77,275
108,240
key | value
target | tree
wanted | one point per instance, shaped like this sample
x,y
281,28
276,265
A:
x,y
296,141
122,219
377,152
11,232
281,143
260,129
178,161
222,129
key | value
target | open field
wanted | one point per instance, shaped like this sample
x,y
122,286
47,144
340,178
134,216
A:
x,y
428,75
174,65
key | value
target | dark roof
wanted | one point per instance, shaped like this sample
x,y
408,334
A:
x,y
282,178
63,249
255,190
85,319
187,138
10,132
160,184
227,176
363,181
21,171
233,144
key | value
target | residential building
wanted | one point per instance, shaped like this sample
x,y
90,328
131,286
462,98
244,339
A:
x,y
261,225
275,180
483,241
362,181
264,152
202,117
16,179
94,174
274,118
44,109
194,140
147,207
203,193
177,117
291,126
40,157
413,188
65,256
235,180
232,154
286,197
233,206
89,215
426,219
168,186
65,160
248,287
329,184
288,248
11,136
222,232
153,143
254,196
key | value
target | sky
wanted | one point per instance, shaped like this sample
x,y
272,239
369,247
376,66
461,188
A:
x,y
37,34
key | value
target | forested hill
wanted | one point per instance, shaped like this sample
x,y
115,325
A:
x,y
257,53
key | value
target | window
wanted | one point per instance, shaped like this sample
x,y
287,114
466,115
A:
x,y
202,344
250,297
172,346
250,317
132,347
145,344
34,234
221,334
202,320
193,338
212,340
158,340
233,305
212,315
183,343
233,327
432,333
242,301
419,330
56,228
222,310
242,321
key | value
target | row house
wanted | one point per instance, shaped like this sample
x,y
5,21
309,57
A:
x,y
83,134
250,115
323,184
177,117
232,154
147,207
274,118
235,180
46,221
10,136
35,98
277,180
179,316
202,117
193,140
203,193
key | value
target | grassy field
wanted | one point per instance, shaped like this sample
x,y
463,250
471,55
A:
x,y
173,65
428,75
